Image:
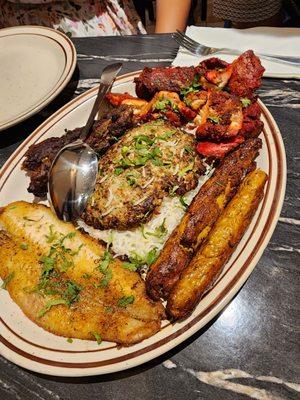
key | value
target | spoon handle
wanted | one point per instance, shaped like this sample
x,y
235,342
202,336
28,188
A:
x,y
107,79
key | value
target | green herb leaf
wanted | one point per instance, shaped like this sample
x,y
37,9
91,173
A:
x,y
118,170
214,119
125,300
172,192
7,280
130,266
52,235
24,246
160,231
183,202
70,340
97,337
86,276
162,104
165,136
71,292
186,169
49,304
108,309
151,256
245,101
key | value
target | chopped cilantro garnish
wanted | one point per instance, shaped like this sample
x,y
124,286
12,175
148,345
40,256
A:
x,y
245,101
151,256
24,246
97,336
162,104
71,292
214,119
7,280
125,300
70,340
86,276
103,267
172,191
32,220
108,309
118,170
130,266
188,149
49,304
165,136
183,202
52,235
186,169
160,231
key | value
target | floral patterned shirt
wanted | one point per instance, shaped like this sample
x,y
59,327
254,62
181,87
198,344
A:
x,y
76,18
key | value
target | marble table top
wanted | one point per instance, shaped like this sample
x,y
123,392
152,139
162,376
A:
x,y
251,349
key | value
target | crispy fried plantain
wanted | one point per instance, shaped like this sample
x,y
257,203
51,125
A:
x,y
204,210
49,262
209,261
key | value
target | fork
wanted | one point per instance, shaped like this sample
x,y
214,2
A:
x,y
202,50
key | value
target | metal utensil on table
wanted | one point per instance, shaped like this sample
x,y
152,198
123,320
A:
x,y
73,173
202,50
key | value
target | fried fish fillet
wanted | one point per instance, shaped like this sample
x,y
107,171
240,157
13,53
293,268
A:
x,y
208,262
195,225
68,283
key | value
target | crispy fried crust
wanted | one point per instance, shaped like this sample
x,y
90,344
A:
x,y
204,210
97,308
207,264
118,204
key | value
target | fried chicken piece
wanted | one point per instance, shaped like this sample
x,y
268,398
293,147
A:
x,y
39,157
221,116
200,216
225,235
173,79
67,283
246,74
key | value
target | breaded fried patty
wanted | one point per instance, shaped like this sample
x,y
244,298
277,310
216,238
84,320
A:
x,y
136,173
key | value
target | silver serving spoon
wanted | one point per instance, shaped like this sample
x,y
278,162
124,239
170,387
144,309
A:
x,y
73,173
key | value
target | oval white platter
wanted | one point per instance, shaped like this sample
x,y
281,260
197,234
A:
x,y
29,346
36,63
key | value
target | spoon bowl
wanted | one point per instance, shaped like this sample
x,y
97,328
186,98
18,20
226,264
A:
x,y
73,178
73,173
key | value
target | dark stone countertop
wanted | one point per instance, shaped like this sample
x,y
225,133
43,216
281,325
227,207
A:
x,y
254,342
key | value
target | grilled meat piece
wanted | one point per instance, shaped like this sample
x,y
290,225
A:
x,y
217,72
252,125
138,171
67,283
173,79
246,74
39,157
201,215
221,116
209,261
219,149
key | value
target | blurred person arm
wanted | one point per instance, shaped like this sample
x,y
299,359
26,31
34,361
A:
x,y
171,15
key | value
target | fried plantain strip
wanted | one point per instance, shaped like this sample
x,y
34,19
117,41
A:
x,y
204,210
208,263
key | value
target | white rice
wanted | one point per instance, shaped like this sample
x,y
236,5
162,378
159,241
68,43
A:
x,y
137,241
